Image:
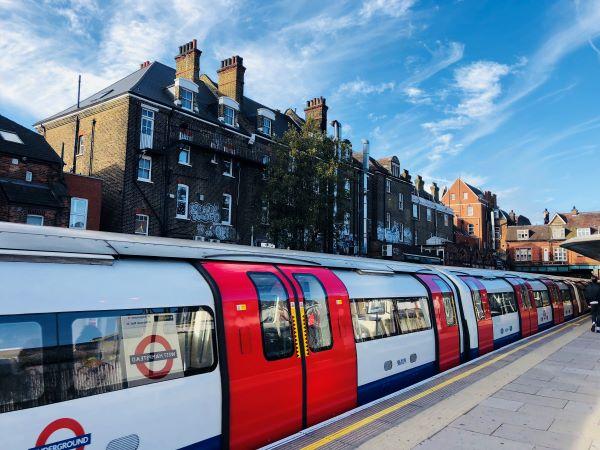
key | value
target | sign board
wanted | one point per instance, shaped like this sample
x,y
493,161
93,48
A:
x,y
151,348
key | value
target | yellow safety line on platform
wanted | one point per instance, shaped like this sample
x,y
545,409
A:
x,y
367,420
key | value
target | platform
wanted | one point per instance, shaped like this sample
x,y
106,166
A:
x,y
541,392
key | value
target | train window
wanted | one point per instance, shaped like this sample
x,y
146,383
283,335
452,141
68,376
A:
x,y
22,340
372,318
412,314
476,296
317,312
448,300
275,319
541,298
566,295
525,296
502,303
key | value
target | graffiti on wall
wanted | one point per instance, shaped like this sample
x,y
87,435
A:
x,y
391,235
208,222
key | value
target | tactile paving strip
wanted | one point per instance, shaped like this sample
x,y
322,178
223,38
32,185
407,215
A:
x,y
363,434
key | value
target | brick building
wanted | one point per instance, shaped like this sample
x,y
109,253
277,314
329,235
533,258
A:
x,y
179,154
401,216
33,187
536,248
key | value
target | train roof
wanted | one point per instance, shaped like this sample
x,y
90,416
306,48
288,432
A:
x,y
18,240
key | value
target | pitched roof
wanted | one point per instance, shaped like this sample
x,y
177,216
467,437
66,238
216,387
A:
x,y
153,81
573,222
34,145
476,191
536,232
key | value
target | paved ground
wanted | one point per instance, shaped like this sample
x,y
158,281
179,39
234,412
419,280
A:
x,y
540,393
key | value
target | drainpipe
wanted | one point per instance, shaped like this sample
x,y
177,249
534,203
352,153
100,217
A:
x,y
365,143
337,137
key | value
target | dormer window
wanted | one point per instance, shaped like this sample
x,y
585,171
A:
x,y
11,137
228,115
267,125
395,169
522,235
187,98
265,119
584,232
558,232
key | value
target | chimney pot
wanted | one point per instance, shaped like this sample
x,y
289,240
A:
x,y
187,62
231,78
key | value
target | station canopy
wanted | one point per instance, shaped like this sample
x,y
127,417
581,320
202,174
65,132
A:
x,y
585,245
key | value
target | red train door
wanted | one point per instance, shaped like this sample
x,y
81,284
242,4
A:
x,y
574,302
329,347
485,326
448,340
523,304
533,315
555,299
277,384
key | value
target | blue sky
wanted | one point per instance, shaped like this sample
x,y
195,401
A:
x,y
505,94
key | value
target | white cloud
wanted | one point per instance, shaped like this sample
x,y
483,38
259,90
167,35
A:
x,y
474,179
480,85
361,87
393,8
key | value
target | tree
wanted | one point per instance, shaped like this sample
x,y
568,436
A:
x,y
306,178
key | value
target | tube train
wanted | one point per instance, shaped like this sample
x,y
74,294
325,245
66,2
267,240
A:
x,y
112,341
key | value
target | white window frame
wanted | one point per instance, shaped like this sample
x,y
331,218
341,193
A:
x,y
145,158
396,169
523,235
465,195
429,215
558,232
471,229
581,232
80,145
388,186
446,220
73,215
470,211
186,149
36,216
267,126
228,163
147,122
226,117
400,201
228,221
415,211
523,254
28,176
184,100
546,254
147,220
560,254
388,221
187,201
452,196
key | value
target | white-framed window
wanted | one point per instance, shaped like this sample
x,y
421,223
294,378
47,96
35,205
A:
x,y
228,115
11,136
471,229
35,219
187,98
546,254
416,211
522,235
185,134
388,221
347,186
400,201
388,186
80,145
584,232
416,240
523,254
141,224
395,169
469,211
79,210
429,215
558,232
267,126
452,196
228,171
226,210
560,254
184,155
183,196
28,176
446,220
147,130
465,195
145,168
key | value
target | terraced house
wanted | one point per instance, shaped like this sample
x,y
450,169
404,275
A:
x,y
180,155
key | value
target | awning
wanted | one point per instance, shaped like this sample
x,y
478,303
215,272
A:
x,y
585,245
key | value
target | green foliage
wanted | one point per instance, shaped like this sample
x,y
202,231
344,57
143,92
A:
x,y
306,177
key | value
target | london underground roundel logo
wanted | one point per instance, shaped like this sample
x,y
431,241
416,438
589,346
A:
x,y
141,358
77,442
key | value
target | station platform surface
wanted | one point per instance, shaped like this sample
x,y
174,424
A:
x,y
540,392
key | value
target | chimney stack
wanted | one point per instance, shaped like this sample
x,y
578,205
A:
x,y
435,192
512,216
405,175
144,64
419,183
574,211
231,78
316,109
187,62
546,216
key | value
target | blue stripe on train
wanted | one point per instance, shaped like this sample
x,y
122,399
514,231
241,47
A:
x,y
545,326
213,443
473,353
380,388
505,340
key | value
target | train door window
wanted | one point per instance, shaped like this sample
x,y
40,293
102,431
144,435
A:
x,y
22,341
477,303
412,314
525,296
373,318
275,319
317,313
448,300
